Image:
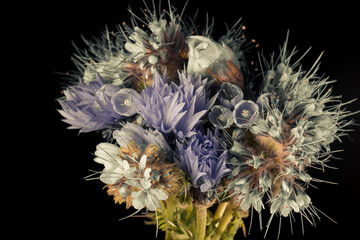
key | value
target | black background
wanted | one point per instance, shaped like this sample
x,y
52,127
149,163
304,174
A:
x,y
53,199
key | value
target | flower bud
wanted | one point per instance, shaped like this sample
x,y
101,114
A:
x,y
205,54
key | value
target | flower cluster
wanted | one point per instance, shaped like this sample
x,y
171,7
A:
x,y
180,112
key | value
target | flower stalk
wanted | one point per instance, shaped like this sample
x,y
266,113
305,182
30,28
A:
x,y
219,212
226,219
200,229
171,203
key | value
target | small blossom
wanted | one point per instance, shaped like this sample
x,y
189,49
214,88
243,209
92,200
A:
x,y
135,45
245,113
114,166
111,70
221,116
230,95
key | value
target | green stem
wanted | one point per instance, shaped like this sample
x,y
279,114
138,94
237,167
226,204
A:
x,y
226,219
171,205
201,214
220,210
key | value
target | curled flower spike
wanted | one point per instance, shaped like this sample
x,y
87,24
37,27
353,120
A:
x,y
203,161
293,134
267,169
161,50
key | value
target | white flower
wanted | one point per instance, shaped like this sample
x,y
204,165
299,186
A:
x,y
204,54
136,45
114,166
157,28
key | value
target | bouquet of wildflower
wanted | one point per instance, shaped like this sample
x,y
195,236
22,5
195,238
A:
x,y
189,138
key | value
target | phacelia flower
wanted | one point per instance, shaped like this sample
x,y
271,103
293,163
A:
x,y
245,113
203,161
230,95
140,175
264,168
88,107
162,50
171,108
221,116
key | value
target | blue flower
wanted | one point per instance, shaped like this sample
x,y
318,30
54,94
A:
x,y
171,108
202,160
88,107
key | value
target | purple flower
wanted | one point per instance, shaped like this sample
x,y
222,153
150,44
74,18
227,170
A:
x,y
202,160
245,113
88,107
171,108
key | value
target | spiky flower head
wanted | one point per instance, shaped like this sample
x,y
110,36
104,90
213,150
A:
x,y
162,49
137,175
172,108
203,161
104,56
88,107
